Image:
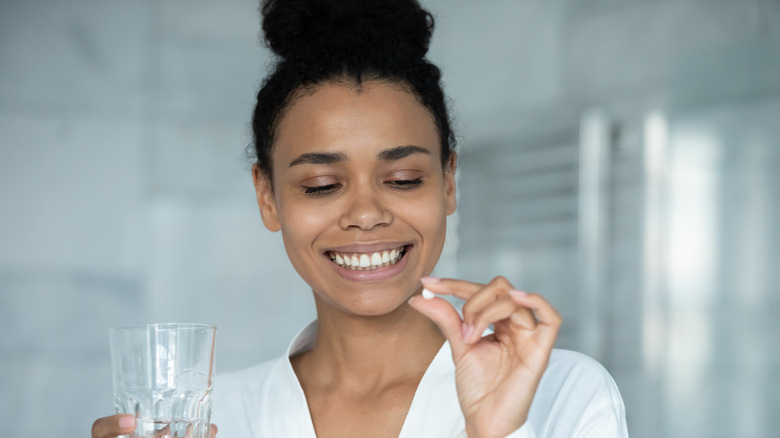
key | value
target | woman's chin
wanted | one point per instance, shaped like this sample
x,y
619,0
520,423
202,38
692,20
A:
x,y
372,306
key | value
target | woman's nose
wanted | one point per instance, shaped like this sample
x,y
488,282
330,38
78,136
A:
x,y
365,211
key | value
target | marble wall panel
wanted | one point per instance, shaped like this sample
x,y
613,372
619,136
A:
x,y
209,81
498,57
54,394
82,55
63,311
204,160
653,38
71,193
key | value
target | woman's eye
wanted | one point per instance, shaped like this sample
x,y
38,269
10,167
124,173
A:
x,y
320,190
405,183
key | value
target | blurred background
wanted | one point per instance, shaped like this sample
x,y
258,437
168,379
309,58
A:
x,y
620,156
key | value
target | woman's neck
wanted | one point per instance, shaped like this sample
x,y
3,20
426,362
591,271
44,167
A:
x,y
365,354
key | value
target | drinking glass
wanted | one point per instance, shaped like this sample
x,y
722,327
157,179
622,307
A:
x,y
163,374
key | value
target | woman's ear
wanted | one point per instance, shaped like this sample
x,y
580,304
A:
x,y
265,199
449,184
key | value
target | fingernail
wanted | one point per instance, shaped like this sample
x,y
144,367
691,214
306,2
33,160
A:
x,y
430,279
126,422
410,300
517,293
466,330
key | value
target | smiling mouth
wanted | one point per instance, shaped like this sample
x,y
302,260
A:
x,y
367,261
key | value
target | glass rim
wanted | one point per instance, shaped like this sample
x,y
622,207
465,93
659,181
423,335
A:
x,y
164,326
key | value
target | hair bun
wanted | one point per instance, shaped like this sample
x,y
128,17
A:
x,y
293,27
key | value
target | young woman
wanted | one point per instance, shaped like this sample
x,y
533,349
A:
x,y
355,167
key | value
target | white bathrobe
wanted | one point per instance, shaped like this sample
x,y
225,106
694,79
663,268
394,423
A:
x,y
576,398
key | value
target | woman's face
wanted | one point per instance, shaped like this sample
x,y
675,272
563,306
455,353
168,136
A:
x,y
359,194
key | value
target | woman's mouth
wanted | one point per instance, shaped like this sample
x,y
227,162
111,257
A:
x,y
367,261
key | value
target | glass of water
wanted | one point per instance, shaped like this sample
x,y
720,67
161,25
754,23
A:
x,y
163,375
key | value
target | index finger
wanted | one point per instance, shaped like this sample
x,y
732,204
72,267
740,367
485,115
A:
x,y
451,286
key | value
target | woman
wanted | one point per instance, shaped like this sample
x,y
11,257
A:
x,y
355,167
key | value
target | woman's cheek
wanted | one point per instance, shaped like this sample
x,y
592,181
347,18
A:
x,y
304,212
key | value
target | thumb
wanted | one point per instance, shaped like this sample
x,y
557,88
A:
x,y
444,315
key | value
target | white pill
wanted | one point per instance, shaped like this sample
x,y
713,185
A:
x,y
427,294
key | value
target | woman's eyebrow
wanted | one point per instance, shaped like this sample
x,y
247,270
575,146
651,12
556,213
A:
x,y
319,158
399,152
391,154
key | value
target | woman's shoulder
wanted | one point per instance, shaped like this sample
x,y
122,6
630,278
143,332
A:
x,y
568,361
576,391
579,373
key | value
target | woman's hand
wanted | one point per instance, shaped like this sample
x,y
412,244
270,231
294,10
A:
x,y
123,424
496,375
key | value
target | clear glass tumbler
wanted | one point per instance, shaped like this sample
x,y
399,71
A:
x,y
163,375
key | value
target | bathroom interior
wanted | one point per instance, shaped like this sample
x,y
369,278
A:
x,y
621,157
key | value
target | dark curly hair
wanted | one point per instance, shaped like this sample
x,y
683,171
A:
x,y
345,42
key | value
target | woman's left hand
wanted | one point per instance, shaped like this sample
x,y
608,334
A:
x,y
496,375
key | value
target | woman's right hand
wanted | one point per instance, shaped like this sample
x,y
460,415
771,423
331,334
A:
x,y
496,375
121,424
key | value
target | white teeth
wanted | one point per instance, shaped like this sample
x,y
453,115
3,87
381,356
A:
x,y
366,262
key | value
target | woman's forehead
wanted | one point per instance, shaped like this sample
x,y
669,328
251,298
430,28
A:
x,y
349,120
